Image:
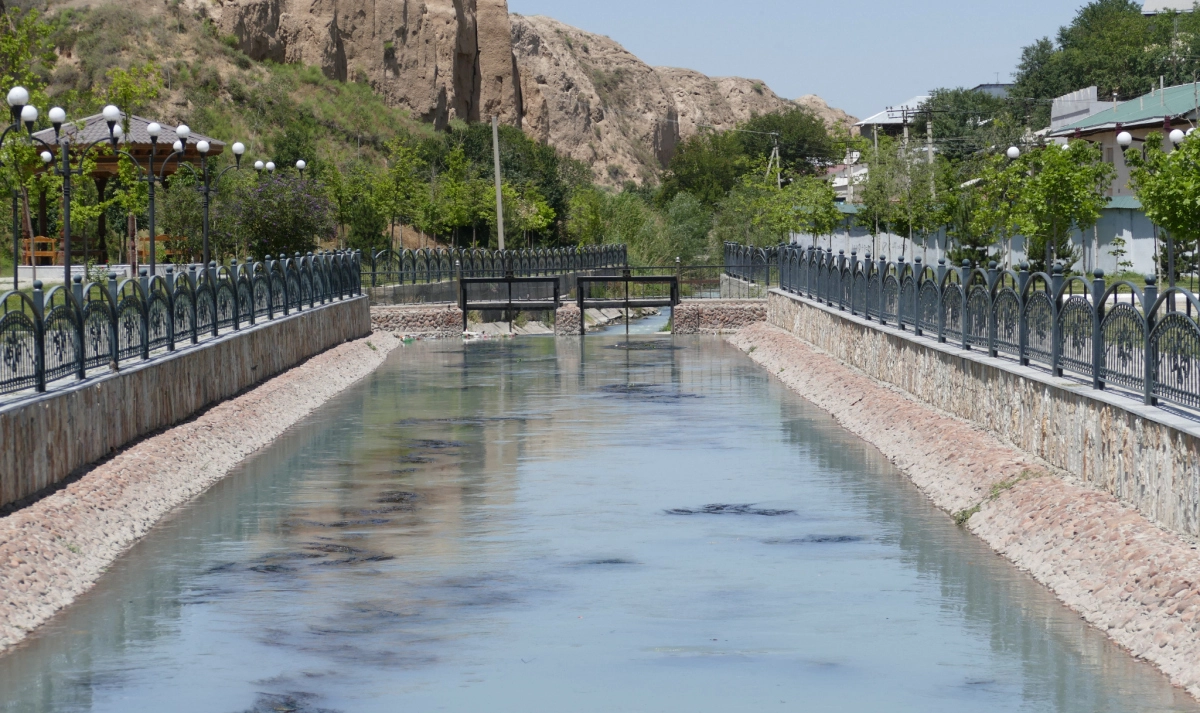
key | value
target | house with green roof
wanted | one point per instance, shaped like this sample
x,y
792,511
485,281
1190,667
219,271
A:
x,y
1162,110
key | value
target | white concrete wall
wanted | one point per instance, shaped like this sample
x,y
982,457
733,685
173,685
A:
x,y
1131,225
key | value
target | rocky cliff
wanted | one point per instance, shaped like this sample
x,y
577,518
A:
x,y
440,59
471,59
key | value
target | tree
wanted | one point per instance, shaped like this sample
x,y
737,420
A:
x,y
1109,44
1063,189
880,190
988,215
707,165
688,222
402,189
805,146
1168,185
284,214
133,89
967,122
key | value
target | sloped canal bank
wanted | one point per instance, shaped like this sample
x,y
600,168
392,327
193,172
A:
x,y
541,524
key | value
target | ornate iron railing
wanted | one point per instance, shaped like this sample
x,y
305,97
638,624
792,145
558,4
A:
x,y
761,266
429,265
1124,335
48,337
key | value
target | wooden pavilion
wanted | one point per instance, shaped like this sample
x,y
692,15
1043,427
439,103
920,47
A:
x,y
135,142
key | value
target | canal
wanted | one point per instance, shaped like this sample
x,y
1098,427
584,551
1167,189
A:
x,y
532,525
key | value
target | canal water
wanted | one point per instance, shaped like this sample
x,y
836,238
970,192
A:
x,y
522,525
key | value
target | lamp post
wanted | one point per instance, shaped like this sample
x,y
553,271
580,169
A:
x,y
57,118
21,112
207,180
300,166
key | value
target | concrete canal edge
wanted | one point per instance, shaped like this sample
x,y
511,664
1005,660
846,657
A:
x,y
55,549
1131,577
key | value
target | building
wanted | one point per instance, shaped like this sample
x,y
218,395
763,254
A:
x,y
891,121
999,91
1076,106
1154,7
1162,110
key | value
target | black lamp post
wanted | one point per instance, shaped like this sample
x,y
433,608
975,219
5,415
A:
x,y
207,181
57,118
20,111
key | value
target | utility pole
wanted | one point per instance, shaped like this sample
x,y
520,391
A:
x,y
499,194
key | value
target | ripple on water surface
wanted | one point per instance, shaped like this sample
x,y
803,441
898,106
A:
x,y
537,525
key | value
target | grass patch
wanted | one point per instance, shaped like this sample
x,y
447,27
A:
x,y
962,516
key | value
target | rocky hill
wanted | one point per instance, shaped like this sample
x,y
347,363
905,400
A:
x,y
471,59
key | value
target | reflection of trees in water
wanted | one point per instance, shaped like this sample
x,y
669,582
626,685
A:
x,y
1065,664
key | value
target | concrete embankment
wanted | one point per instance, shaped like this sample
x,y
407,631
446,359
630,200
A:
x,y
1129,577
55,549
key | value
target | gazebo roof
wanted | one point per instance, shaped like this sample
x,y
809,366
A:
x,y
135,142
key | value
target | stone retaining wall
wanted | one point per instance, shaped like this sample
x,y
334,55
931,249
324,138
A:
x,y
45,438
432,321
1144,456
716,316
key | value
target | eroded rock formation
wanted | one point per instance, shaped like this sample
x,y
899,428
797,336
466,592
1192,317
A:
x,y
471,59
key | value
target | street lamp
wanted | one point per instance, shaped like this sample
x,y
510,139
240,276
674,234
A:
x,y
1177,137
1124,139
206,179
1013,153
300,166
270,167
20,111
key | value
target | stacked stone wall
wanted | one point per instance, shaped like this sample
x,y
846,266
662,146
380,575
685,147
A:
x,y
716,316
429,321
566,321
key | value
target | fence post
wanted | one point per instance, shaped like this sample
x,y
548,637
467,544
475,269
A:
x,y
80,345
964,282
1056,283
374,259
900,267
1149,304
39,335
993,327
918,271
191,278
1097,327
840,266
113,345
234,274
941,278
881,269
1022,331
144,312
170,282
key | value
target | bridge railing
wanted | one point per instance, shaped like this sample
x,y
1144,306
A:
x,y
432,265
49,340
1120,336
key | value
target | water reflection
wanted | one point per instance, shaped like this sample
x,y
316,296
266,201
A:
x,y
526,524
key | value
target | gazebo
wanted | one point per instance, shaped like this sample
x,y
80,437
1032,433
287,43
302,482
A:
x,y
136,142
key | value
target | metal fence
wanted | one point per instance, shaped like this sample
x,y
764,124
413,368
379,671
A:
x,y
756,265
429,265
1123,335
45,337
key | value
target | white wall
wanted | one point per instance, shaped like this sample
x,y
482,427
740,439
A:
x,y
1131,225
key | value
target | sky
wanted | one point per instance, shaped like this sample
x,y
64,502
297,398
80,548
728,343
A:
x,y
858,55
